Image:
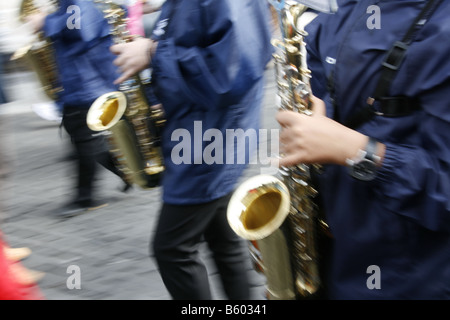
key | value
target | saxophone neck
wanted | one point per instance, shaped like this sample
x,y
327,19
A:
x,y
29,7
291,66
116,17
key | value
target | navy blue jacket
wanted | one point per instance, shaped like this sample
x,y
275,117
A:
x,y
399,222
208,73
83,57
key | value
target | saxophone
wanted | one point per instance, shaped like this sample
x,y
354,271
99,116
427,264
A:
x,y
132,126
39,54
278,214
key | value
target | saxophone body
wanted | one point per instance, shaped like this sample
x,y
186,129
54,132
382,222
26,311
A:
x,y
39,55
133,126
278,214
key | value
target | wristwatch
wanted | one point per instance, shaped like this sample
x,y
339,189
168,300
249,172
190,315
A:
x,y
364,166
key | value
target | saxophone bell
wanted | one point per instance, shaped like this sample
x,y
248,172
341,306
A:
x,y
256,212
108,114
106,111
133,126
258,207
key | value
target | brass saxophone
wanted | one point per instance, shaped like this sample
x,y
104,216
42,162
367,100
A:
x,y
278,214
125,115
39,54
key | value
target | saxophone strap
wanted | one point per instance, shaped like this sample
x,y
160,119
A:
x,y
381,103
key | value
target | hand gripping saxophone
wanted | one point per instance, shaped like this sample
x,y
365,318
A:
x,y
277,214
132,124
39,54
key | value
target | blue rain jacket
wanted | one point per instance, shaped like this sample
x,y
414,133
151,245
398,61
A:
x,y
400,222
208,73
81,41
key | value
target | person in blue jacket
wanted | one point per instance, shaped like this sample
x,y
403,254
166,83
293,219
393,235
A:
x,y
81,40
391,221
208,59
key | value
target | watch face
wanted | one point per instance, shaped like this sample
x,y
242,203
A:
x,y
364,170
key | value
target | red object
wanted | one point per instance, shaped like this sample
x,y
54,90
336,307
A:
x,y
10,288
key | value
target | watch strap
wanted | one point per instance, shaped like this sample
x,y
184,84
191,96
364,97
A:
x,y
371,151
364,167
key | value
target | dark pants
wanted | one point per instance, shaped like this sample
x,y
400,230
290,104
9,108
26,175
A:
x,y
3,98
179,233
91,149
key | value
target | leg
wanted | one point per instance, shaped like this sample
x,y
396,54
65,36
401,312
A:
x,y
105,158
175,245
107,161
229,254
86,147
87,168
3,98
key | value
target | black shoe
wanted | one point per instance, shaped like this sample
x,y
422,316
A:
x,y
76,208
71,209
126,187
95,204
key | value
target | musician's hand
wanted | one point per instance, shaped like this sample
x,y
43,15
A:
x,y
316,139
36,20
318,106
133,57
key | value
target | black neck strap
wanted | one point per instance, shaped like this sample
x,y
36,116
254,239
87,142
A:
x,y
394,106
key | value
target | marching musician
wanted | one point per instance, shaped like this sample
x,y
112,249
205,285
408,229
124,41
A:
x,y
208,60
81,39
381,129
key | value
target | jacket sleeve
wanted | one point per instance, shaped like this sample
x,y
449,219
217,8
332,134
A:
x,y
228,59
415,177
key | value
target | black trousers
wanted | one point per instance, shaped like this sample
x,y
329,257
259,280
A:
x,y
91,148
180,231
3,98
